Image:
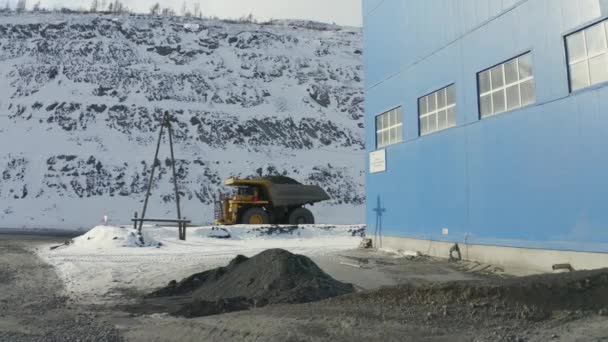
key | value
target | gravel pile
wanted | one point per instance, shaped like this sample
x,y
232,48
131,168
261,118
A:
x,y
581,290
534,298
271,277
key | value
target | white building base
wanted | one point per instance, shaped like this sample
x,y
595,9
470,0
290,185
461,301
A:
x,y
517,261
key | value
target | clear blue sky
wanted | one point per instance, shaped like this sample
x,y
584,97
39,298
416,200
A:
x,y
343,12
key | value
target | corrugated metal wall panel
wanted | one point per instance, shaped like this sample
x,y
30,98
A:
x,y
533,177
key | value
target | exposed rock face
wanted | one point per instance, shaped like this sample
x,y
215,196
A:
x,y
82,96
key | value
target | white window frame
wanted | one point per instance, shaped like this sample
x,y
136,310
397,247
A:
x,y
587,57
398,126
437,110
505,86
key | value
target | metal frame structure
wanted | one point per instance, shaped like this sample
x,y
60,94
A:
x,y
181,222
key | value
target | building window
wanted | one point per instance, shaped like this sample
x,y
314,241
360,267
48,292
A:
x,y
389,128
506,87
437,111
588,56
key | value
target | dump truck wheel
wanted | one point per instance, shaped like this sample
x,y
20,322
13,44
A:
x,y
301,216
255,216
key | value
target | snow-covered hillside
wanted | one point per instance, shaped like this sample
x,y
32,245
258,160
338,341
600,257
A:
x,y
81,95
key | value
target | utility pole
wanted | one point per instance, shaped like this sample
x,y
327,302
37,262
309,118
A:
x,y
182,223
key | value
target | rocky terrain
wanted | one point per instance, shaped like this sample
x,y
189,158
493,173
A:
x,y
33,304
429,303
82,97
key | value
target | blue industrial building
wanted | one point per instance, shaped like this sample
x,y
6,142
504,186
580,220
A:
x,y
487,122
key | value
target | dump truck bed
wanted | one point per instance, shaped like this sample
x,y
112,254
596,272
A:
x,y
285,195
284,191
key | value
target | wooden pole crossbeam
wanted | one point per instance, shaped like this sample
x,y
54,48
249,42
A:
x,y
161,220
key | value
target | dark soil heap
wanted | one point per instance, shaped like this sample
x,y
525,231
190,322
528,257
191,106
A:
x,y
271,277
581,290
533,298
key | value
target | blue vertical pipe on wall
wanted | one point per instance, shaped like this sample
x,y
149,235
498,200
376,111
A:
x,y
534,177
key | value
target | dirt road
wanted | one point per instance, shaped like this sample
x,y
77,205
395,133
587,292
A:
x,y
33,306
439,302
366,320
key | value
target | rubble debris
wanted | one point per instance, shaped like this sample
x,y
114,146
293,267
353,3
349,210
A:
x,y
366,243
562,267
67,243
219,233
359,231
455,249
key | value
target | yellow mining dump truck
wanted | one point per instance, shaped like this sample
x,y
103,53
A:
x,y
269,200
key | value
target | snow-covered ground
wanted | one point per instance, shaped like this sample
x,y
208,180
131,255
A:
x,y
108,259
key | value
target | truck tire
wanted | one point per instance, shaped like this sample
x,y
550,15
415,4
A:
x,y
255,216
301,216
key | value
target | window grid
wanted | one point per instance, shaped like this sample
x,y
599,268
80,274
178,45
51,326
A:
x,y
448,110
495,93
389,128
504,87
580,81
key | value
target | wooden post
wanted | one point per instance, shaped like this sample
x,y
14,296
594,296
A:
x,y
160,136
181,226
135,221
170,129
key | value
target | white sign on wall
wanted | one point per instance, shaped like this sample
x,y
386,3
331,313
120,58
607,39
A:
x,y
377,161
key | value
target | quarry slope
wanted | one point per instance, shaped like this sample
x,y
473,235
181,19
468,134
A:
x,y
82,96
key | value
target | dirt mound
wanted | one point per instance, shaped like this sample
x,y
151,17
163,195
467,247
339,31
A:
x,y
271,277
582,290
533,298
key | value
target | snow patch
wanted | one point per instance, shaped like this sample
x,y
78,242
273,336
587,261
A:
x,y
265,232
399,253
109,237
192,27
103,261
